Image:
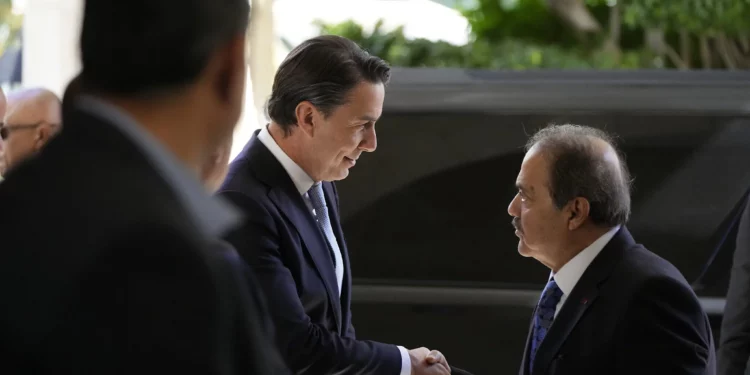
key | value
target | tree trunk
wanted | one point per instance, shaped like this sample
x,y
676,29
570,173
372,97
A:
x,y
612,43
615,23
745,43
685,48
724,52
705,52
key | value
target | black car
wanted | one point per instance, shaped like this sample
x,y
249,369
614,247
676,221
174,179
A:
x,y
433,252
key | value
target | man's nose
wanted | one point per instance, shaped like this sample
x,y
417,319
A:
x,y
370,142
513,207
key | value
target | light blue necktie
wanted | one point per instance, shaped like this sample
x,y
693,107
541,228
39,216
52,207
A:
x,y
318,201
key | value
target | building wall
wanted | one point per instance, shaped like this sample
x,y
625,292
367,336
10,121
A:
x,y
50,43
51,59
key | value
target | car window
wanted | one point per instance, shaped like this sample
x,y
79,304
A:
x,y
430,205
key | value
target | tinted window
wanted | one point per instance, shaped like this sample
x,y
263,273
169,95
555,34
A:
x,y
431,204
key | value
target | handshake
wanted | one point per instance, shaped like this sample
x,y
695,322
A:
x,y
426,362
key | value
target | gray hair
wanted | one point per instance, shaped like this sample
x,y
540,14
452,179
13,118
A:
x,y
578,170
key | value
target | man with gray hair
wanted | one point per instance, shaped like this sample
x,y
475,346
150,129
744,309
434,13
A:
x,y
33,119
610,306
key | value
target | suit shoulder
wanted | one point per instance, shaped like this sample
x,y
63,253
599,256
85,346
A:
x,y
652,275
644,264
241,179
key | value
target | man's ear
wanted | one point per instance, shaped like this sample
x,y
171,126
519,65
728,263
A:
x,y
578,211
44,133
229,65
307,117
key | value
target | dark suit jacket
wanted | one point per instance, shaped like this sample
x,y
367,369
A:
x,y
281,242
102,270
734,350
631,313
251,305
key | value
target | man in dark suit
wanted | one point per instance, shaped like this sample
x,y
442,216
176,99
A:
x,y
109,262
248,297
610,306
326,97
734,350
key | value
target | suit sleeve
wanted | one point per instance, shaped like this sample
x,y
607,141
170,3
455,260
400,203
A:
x,y
734,350
253,308
350,332
665,331
306,347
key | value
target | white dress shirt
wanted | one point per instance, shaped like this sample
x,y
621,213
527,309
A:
x,y
567,277
303,182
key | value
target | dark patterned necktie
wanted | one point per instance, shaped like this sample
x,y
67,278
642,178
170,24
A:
x,y
543,317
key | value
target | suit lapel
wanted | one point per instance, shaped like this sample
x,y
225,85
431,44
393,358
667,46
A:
x,y
333,212
286,197
581,298
572,311
525,357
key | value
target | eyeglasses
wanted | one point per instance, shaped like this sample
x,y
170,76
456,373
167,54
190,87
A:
x,y
5,130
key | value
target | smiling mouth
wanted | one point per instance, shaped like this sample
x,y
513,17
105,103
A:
x,y
350,160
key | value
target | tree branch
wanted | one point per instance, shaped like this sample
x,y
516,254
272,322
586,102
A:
x,y
685,50
575,13
655,41
740,59
675,57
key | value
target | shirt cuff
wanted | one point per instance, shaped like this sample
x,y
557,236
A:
x,y
405,361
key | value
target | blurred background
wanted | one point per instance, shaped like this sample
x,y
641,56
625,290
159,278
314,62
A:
x,y
473,79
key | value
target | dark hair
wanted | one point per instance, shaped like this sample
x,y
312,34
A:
x,y
72,91
578,170
321,70
133,47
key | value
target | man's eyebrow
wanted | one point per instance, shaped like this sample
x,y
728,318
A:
x,y
368,118
524,189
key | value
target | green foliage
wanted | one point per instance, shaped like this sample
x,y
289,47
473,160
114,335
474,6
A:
x,y
731,17
527,34
512,54
530,20
10,25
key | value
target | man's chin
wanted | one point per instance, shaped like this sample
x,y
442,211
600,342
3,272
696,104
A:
x,y
342,174
338,176
523,249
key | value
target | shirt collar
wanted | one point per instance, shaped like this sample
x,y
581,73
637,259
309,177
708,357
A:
x,y
213,215
302,181
567,277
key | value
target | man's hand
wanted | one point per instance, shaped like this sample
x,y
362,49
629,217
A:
x,y
426,362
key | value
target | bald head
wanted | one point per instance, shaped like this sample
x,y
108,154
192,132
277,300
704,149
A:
x,y
33,117
584,162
